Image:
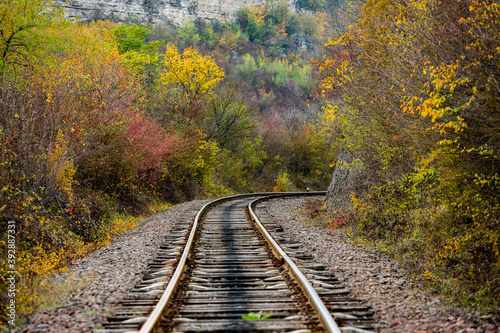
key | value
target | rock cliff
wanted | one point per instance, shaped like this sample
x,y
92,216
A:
x,y
343,181
162,12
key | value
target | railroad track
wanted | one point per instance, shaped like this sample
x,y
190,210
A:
x,y
226,271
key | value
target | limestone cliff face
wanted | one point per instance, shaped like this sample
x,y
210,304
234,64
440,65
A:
x,y
160,12
343,181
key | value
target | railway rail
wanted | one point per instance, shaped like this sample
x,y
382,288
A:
x,y
228,271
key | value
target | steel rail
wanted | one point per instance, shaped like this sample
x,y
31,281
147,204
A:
x,y
324,315
156,314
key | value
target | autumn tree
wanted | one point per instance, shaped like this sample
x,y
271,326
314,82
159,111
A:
x,y
188,79
22,26
252,22
411,89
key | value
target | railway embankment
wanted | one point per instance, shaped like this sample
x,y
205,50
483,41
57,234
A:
x,y
92,287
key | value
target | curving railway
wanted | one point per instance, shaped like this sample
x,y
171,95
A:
x,y
229,270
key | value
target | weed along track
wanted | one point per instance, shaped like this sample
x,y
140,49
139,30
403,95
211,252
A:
x,y
227,272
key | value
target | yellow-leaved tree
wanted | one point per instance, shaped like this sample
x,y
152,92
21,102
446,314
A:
x,y
189,79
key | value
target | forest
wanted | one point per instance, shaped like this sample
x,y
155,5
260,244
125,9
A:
x,y
102,124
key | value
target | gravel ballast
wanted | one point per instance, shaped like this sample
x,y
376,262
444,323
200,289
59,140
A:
x,y
400,304
97,283
102,279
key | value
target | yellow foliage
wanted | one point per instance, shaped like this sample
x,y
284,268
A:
x,y
61,168
323,24
360,206
191,74
258,14
282,183
229,38
120,223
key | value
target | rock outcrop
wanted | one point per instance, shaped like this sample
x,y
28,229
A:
x,y
343,181
161,12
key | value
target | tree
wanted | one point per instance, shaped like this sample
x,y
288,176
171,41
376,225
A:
x,y
142,57
227,117
252,22
130,38
22,27
313,5
188,78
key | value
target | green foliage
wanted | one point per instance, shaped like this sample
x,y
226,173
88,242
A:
x,y
142,58
256,316
207,163
247,65
274,22
282,183
22,38
314,5
130,38
310,25
303,76
207,35
228,118
188,33
280,70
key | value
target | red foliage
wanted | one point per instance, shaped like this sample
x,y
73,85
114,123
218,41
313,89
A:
x,y
150,146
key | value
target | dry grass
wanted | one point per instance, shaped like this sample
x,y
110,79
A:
x,y
315,212
59,288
